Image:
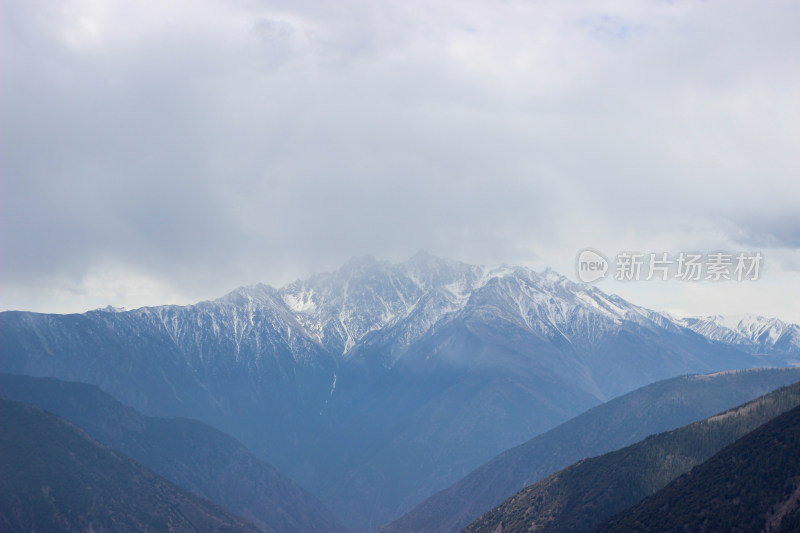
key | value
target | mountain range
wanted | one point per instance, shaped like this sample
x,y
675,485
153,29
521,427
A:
x,y
754,333
379,384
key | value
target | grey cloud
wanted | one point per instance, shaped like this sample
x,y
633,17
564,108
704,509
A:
x,y
228,143
768,230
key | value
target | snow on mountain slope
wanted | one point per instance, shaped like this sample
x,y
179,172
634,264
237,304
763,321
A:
x,y
377,303
340,308
403,302
388,308
243,327
752,332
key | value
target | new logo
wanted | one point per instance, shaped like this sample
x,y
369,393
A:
x,y
591,265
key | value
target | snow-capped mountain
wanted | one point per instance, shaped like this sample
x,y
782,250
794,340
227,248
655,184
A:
x,y
402,302
754,333
378,384
339,309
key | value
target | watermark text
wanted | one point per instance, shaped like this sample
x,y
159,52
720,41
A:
x,y
592,266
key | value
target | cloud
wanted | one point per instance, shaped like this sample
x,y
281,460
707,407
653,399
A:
x,y
204,145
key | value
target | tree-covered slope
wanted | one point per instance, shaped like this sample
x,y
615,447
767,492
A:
x,y
188,453
655,408
581,496
751,485
55,477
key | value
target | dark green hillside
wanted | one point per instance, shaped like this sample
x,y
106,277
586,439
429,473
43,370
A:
x,y
581,496
751,485
55,477
190,454
661,406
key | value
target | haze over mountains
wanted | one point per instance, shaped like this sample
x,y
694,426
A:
x,y
379,384
654,408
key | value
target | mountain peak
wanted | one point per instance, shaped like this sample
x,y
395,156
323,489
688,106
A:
x,y
551,275
111,309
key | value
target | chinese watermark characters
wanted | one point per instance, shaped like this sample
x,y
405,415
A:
x,y
593,266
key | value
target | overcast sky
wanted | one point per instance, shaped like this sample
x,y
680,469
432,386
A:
x,y
170,151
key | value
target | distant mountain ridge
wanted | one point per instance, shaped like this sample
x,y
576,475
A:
x,y
355,382
751,332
